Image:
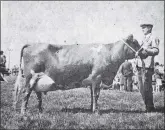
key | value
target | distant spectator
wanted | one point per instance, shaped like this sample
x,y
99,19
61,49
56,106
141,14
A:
x,y
116,83
135,81
2,59
15,70
121,81
126,70
158,75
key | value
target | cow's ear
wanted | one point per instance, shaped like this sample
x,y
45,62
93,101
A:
x,y
129,38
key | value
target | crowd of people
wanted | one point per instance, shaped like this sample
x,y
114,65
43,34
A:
x,y
158,78
4,70
127,77
3,59
2,65
15,70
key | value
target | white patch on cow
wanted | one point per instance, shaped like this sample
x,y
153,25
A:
x,y
98,48
44,84
45,80
41,81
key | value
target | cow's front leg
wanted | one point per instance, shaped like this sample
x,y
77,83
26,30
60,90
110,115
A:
x,y
93,97
97,95
39,96
95,92
25,101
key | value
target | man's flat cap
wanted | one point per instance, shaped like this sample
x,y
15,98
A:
x,y
146,25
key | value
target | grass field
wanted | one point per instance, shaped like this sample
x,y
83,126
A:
x,y
71,110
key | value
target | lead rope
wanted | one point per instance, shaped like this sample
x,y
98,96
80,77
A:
x,y
131,47
138,57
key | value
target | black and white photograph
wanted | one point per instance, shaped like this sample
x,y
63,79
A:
x,y
82,65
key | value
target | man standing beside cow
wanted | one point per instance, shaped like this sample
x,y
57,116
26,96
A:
x,y
145,65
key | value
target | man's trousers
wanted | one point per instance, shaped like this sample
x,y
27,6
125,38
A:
x,y
145,85
128,83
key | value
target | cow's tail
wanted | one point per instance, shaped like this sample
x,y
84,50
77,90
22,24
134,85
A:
x,y
20,80
21,59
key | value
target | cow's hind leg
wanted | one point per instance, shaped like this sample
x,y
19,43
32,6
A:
x,y
39,97
25,101
27,93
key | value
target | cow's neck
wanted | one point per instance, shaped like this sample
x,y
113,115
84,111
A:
x,y
122,53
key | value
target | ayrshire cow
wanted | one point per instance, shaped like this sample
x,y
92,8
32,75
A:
x,y
88,64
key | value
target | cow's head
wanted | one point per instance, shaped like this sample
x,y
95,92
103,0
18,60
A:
x,y
133,43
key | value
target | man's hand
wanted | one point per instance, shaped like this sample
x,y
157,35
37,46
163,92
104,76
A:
x,y
143,53
144,48
136,54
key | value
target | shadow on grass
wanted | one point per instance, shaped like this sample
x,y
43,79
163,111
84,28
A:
x,y
5,104
76,110
2,128
35,124
82,110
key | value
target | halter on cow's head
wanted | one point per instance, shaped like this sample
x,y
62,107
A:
x,y
131,46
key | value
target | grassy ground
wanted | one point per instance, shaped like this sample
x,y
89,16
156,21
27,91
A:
x,y
71,110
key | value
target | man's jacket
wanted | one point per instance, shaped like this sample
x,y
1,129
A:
x,y
152,49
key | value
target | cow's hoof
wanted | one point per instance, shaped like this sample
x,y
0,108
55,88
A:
x,y
40,110
23,111
25,118
96,111
14,106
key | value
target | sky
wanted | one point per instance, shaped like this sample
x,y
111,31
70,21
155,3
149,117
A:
x,y
81,22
